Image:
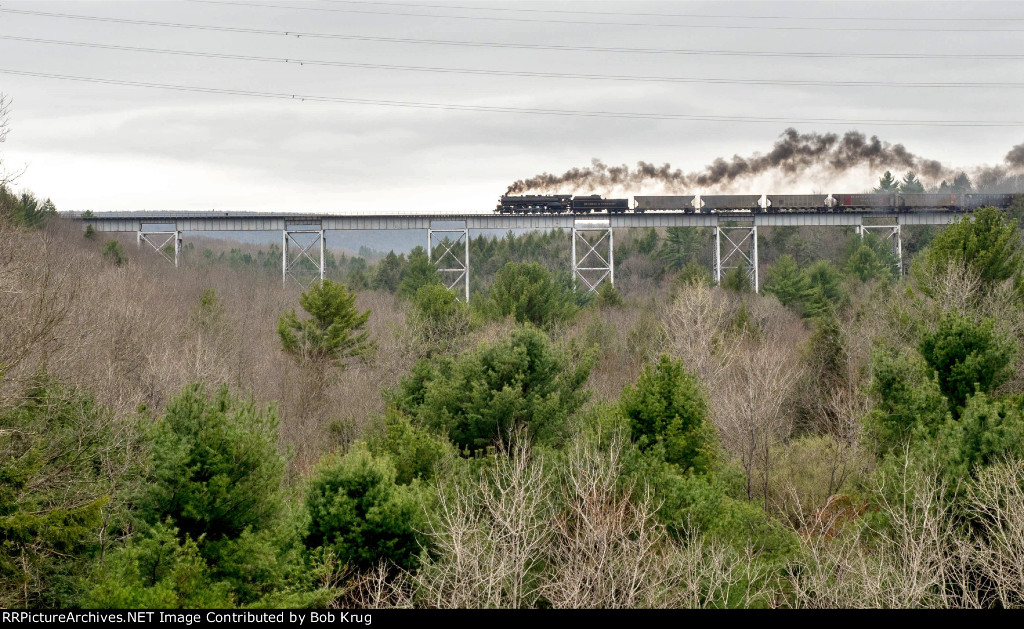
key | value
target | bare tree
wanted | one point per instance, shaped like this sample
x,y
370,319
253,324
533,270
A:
x,y
490,536
608,551
748,407
909,562
6,177
997,502
695,326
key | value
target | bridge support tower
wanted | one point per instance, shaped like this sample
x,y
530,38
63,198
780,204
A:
x,y
890,232
594,238
299,244
453,268
740,250
160,241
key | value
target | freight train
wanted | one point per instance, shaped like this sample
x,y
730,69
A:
x,y
752,203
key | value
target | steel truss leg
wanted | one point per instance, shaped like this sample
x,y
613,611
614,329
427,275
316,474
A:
x,y
159,240
888,232
741,248
294,254
592,268
453,270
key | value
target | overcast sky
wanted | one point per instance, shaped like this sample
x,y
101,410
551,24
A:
x,y
107,146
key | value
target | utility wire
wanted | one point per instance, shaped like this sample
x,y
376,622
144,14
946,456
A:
x,y
440,42
516,110
488,18
515,73
682,15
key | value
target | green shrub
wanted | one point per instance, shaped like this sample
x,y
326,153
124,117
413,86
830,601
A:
x,y
667,407
439,316
216,469
966,356
418,273
157,570
113,252
415,451
528,293
61,457
908,401
987,245
484,395
358,511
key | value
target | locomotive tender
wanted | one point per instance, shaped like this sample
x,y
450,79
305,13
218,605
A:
x,y
752,203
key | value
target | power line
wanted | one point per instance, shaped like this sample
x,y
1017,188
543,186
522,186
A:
x,y
514,73
618,24
513,45
515,110
684,15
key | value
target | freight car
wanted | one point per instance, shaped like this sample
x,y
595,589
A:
x,y
665,204
730,202
594,203
855,202
975,201
800,203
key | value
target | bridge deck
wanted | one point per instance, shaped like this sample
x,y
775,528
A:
x,y
256,221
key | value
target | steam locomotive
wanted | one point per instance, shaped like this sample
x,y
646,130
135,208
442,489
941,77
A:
x,y
752,203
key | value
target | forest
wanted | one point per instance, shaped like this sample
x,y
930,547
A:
x,y
204,437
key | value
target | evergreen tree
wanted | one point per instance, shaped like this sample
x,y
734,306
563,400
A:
x,y
439,316
908,401
911,184
887,183
357,511
787,282
419,272
825,284
389,272
987,245
216,469
480,397
680,247
60,457
334,330
667,407
962,184
114,252
864,264
967,356
737,279
529,294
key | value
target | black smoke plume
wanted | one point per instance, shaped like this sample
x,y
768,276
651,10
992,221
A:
x,y
792,154
1015,158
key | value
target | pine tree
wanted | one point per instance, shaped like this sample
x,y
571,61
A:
x,y
911,184
887,183
667,407
419,272
962,183
787,282
334,330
